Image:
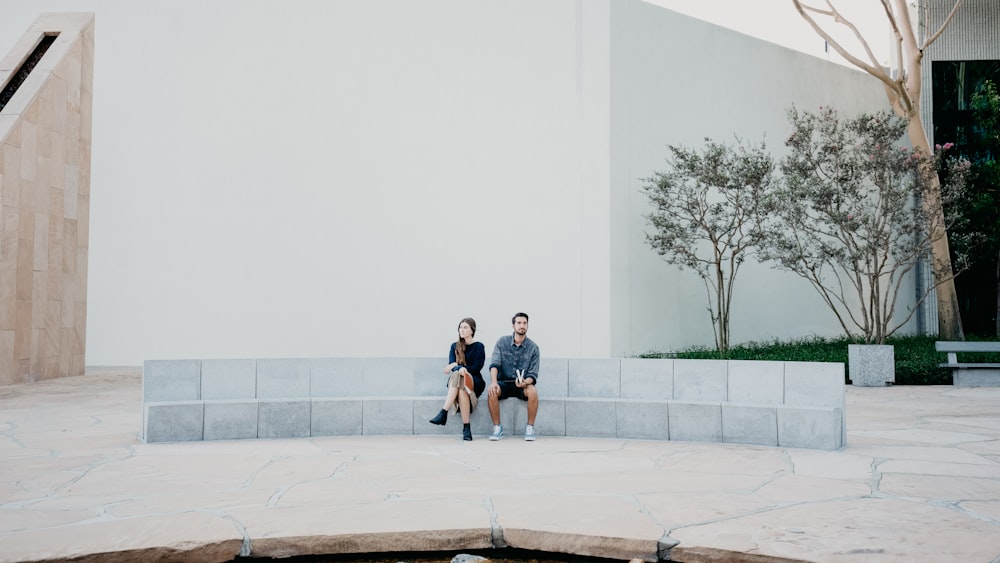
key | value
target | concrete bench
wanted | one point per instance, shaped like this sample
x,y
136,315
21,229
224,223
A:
x,y
794,404
970,374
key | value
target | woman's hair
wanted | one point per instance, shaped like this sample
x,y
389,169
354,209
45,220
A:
x,y
460,344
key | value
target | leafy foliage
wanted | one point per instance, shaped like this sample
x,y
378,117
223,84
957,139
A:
x,y
845,220
705,216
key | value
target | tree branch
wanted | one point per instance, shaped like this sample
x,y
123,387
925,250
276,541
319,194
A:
x,y
876,71
947,20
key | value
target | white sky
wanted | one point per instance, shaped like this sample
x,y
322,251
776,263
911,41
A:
x,y
777,21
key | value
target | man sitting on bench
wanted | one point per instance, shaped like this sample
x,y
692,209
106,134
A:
x,y
514,372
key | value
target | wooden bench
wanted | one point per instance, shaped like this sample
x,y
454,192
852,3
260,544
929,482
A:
x,y
970,374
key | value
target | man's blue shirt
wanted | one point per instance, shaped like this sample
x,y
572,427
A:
x,y
509,357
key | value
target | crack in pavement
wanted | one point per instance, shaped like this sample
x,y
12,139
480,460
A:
x,y
496,532
242,529
9,434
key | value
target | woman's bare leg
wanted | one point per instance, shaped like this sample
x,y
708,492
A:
x,y
449,399
465,406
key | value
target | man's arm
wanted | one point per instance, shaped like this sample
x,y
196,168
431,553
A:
x,y
496,360
533,363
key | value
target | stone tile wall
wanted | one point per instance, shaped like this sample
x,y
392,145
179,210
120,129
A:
x,y
786,404
45,148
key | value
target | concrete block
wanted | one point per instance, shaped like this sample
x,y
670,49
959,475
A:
x,y
700,380
429,379
171,380
334,377
643,420
393,415
976,377
814,384
284,418
598,378
810,427
695,421
283,379
336,417
871,365
482,424
231,420
591,417
756,381
177,421
553,376
482,427
426,409
381,377
229,379
433,386
549,421
750,424
647,378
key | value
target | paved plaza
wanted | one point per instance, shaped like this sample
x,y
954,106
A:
x,y
918,481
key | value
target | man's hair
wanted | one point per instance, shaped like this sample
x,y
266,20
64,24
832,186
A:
x,y
516,315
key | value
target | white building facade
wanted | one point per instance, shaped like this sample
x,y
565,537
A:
x,y
351,178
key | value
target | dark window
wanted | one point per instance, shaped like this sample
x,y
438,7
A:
x,y
22,72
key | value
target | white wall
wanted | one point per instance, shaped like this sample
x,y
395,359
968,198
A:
x,y
317,178
676,80
350,178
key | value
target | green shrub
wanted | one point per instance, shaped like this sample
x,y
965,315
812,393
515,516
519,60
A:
x,y
916,359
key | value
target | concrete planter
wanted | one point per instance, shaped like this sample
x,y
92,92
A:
x,y
871,365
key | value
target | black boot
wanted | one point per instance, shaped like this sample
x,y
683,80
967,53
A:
x,y
466,432
441,419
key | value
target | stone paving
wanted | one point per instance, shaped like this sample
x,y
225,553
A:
x,y
918,481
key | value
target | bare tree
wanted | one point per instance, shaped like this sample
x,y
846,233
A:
x,y
706,217
903,92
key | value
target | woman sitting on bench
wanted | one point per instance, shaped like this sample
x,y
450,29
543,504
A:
x,y
465,384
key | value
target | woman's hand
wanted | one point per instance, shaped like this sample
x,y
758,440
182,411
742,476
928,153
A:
x,y
448,368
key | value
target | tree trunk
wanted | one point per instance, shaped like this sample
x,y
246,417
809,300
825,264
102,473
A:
x,y
949,315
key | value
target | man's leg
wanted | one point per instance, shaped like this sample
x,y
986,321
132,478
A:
x,y
494,401
495,406
532,395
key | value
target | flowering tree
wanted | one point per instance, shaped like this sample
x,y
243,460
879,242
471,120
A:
x,y
844,218
705,216
903,85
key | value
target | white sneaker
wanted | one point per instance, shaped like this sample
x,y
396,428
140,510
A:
x,y
529,433
497,433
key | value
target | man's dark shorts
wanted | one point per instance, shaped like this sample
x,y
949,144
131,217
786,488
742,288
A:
x,y
509,389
